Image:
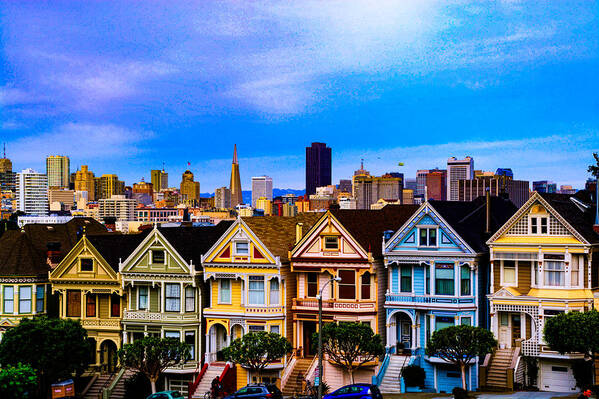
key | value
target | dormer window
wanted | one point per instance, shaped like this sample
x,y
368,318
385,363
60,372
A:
x,y
242,248
87,265
158,256
538,225
331,243
428,237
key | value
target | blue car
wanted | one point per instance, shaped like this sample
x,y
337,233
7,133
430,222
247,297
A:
x,y
166,395
356,391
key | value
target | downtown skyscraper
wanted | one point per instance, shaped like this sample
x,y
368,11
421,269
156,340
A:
x,y
235,187
58,171
318,167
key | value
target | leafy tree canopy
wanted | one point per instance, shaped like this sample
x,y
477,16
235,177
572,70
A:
x,y
461,344
350,345
594,169
152,355
573,332
17,382
55,348
256,350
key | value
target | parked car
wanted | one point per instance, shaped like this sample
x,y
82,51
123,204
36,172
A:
x,y
166,395
356,391
257,391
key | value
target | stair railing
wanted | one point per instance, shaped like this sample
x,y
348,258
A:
x,y
107,392
192,386
228,379
89,384
378,378
288,369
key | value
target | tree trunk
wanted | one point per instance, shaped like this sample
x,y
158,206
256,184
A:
x,y
153,384
351,375
463,370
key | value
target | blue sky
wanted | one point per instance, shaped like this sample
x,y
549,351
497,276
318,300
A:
x,y
124,86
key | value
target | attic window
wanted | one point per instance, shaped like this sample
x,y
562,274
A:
x,y
158,256
331,243
87,265
242,248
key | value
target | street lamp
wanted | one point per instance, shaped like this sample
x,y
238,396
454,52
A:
x,y
320,334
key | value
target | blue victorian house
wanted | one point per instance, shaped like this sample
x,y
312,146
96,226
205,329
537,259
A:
x,y
437,268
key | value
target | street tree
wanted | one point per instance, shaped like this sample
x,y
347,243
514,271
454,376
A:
x,y
18,381
152,355
350,345
55,348
459,345
256,350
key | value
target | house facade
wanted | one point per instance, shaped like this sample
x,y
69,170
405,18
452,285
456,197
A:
x,y
437,264
544,262
163,284
90,289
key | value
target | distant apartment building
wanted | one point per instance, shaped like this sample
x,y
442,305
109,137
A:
x,y
436,185
261,187
47,219
567,189
368,189
289,199
544,186
410,184
458,169
264,204
498,185
159,179
85,181
222,198
347,203
289,209
109,185
32,192
421,181
345,186
318,167
58,171
407,196
117,206
156,215
60,199
190,189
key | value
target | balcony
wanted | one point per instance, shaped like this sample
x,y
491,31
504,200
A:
x,y
334,305
421,300
108,324
263,309
137,315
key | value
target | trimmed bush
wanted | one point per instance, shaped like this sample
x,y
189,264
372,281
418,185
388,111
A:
x,y
413,376
459,393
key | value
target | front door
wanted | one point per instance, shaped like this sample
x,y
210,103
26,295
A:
x,y
309,330
515,321
505,333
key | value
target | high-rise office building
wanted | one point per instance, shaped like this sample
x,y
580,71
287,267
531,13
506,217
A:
x,y
500,185
261,187
458,169
345,186
436,185
7,176
190,189
58,171
32,192
109,185
222,198
318,167
544,186
117,206
421,181
235,185
85,181
159,179
367,189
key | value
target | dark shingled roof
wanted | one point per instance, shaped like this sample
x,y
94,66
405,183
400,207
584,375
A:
x,y
193,242
66,234
19,257
578,216
368,226
469,220
278,232
114,246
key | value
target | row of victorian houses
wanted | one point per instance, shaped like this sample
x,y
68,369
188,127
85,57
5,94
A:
x,y
404,270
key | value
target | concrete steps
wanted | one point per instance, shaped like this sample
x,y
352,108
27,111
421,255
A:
x,y
497,371
119,389
214,370
293,387
390,382
96,390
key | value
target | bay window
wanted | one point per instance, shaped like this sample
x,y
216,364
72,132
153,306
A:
x,y
39,298
347,285
406,278
224,291
73,303
25,299
256,290
190,339
574,271
555,273
115,305
427,272
90,305
444,279
190,299
508,273
442,322
172,297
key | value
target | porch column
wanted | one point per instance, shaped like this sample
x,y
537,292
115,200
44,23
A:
x,y
431,282
522,325
161,297
414,329
34,299
124,337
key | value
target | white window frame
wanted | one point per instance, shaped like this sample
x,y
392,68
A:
x,y
467,317
580,263
277,297
191,289
428,228
503,283
178,298
263,291
220,290
278,327
237,253
337,241
565,267
30,300
538,218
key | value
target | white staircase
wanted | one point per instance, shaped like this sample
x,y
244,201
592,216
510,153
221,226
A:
x,y
390,383
214,370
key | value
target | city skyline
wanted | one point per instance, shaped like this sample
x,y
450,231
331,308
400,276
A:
x,y
507,85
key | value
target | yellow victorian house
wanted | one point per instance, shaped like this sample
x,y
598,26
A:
x,y
544,261
90,289
246,274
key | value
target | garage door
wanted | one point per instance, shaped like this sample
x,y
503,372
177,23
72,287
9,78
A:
x,y
557,377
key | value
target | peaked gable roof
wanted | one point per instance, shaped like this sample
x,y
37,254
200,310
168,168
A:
x,y
115,247
579,216
367,226
19,257
277,233
469,218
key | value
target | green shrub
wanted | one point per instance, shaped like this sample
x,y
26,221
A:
x,y
18,381
137,386
583,373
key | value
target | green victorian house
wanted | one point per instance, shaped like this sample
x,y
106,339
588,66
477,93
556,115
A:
x,y
163,284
